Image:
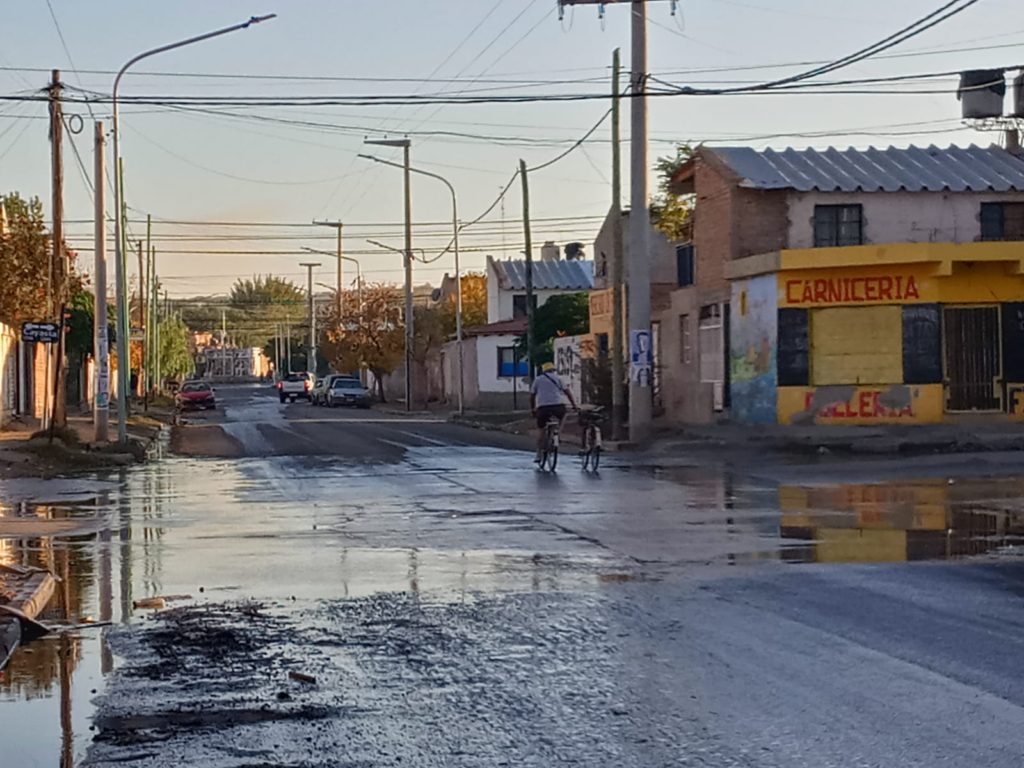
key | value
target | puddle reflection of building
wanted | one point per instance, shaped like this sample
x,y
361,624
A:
x,y
887,522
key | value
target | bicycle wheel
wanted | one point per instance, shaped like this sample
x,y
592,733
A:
x,y
595,458
552,459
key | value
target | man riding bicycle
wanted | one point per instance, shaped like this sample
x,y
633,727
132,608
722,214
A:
x,y
546,402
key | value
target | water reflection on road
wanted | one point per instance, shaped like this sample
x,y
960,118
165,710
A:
x,y
447,521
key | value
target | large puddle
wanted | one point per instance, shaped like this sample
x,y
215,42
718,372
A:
x,y
288,530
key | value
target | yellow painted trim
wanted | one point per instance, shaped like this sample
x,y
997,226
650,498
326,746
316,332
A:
x,y
940,254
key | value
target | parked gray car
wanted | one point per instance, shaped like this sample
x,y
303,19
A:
x,y
346,390
318,396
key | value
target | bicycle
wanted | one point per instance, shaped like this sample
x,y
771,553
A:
x,y
590,450
549,455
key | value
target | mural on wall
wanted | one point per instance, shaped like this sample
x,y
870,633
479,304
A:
x,y
570,352
753,324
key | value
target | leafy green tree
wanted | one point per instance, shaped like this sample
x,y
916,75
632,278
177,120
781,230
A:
x,y
259,304
567,314
672,213
175,357
24,261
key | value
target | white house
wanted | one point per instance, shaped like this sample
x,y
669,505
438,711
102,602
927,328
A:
x,y
496,377
506,282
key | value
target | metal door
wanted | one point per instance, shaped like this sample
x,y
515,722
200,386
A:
x,y
972,360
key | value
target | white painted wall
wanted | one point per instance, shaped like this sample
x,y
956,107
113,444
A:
x,y
487,364
900,217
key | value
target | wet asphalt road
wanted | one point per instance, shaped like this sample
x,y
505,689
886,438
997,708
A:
x,y
457,608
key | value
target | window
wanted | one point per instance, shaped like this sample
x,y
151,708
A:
x,y
685,340
519,305
684,265
602,345
601,268
838,225
856,345
1002,221
511,364
712,349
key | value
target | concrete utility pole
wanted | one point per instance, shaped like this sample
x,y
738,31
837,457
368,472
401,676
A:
x,y
528,252
101,352
405,144
618,359
639,274
338,301
142,321
57,408
311,350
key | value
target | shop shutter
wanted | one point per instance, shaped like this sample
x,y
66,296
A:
x,y
857,345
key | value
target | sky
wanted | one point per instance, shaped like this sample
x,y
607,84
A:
x,y
233,195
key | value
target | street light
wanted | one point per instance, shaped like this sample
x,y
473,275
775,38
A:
x,y
123,361
359,276
340,227
311,350
458,272
405,144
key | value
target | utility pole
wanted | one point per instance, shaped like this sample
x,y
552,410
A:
x,y
154,317
338,302
528,240
618,359
223,327
288,344
101,351
639,274
58,268
121,293
142,322
311,349
147,310
405,144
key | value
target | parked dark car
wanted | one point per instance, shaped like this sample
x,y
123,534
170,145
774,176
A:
x,y
197,395
348,391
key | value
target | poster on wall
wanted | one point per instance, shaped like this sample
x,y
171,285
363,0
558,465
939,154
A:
x,y
641,358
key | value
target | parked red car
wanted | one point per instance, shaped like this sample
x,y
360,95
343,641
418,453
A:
x,y
195,394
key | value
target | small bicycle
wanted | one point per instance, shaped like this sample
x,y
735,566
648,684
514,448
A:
x,y
549,455
590,424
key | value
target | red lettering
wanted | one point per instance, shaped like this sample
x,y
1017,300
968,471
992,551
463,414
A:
x,y
790,285
853,289
819,291
912,288
865,403
885,288
808,296
808,399
871,288
876,405
899,287
835,290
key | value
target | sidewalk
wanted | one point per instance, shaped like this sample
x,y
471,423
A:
x,y
914,439
71,450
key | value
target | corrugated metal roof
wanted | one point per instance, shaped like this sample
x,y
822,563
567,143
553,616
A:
x,y
558,275
910,169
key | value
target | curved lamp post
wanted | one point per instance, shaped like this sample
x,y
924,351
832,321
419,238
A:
x,y
458,272
123,361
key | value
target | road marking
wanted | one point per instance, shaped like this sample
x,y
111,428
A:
x,y
366,421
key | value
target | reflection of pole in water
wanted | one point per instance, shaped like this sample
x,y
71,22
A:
x,y
124,532
106,589
67,734
413,574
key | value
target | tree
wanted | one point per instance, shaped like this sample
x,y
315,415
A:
x,y
474,303
175,357
259,304
371,336
672,213
567,314
24,261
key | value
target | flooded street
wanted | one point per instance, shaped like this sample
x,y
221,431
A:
x,y
344,588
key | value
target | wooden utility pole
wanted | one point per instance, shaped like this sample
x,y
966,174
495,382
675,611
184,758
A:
x,y
618,359
58,264
528,240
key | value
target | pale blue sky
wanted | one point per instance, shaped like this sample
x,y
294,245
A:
x,y
180,166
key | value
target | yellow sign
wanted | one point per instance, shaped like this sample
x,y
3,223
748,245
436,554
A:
x,y
853,286
842,404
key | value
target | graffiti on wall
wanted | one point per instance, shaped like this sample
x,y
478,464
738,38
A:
x,y
570,352
753,325
851,404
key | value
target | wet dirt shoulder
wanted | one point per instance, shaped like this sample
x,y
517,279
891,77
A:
x,y
205,440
